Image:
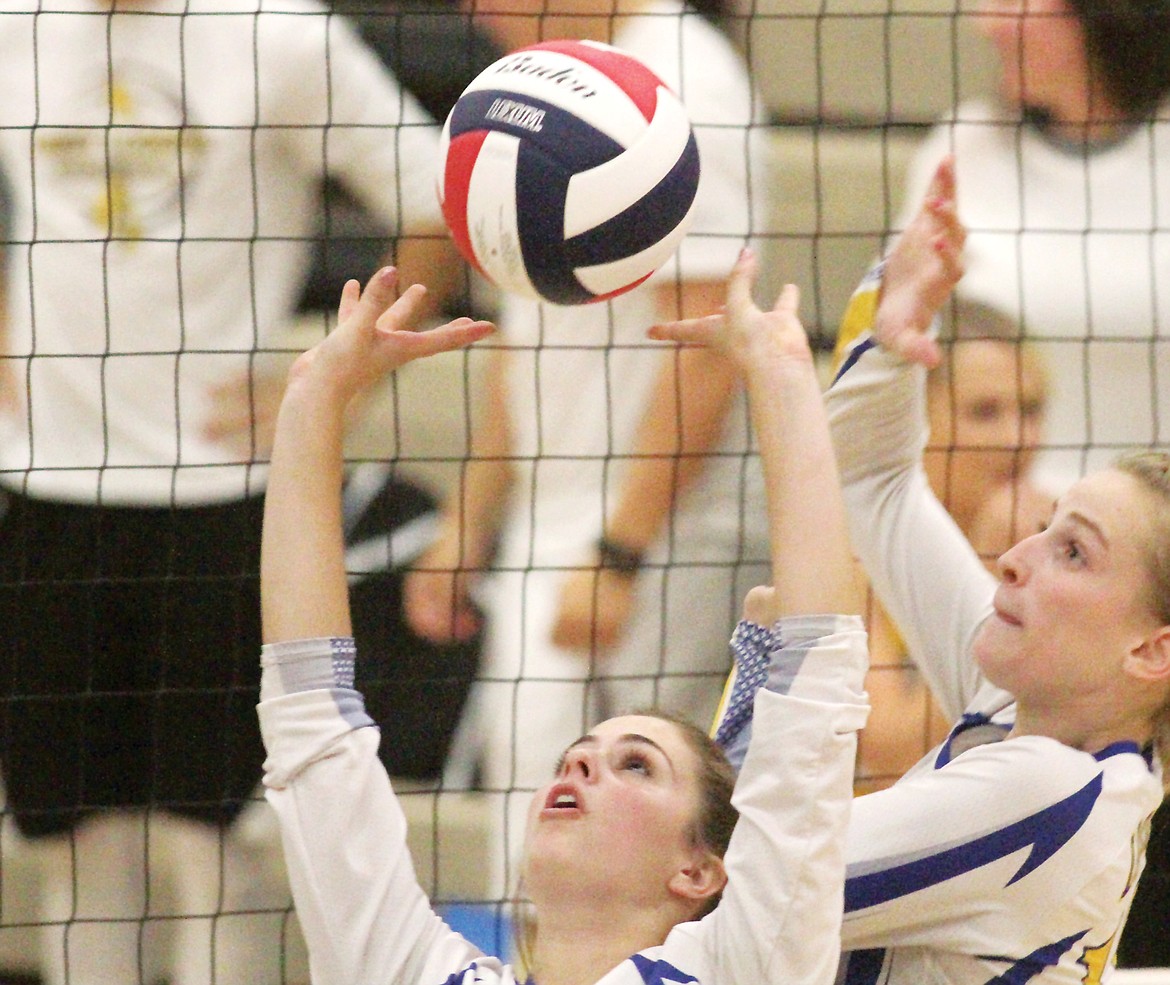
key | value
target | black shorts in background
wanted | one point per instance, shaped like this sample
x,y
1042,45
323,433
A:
x,y
129,660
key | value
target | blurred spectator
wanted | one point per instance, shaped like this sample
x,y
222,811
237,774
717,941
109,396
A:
x,y
1063,185
434,50
165,158
987,403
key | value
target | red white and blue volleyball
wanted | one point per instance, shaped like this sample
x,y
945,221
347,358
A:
x,y
569,172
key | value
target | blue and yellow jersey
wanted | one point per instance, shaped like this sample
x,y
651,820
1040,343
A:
x,y
994,860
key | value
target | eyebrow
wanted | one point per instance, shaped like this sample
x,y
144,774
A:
x,y
1092,526
634,738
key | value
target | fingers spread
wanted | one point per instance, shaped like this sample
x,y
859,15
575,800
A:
x,y
742,280
693,331
453,335
789,299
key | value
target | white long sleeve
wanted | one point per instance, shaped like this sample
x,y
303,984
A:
x,y
367,921
1011,861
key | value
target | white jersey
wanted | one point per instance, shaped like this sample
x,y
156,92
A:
x,y
579,382
580,376
1071,243
165,163
1012,861
367,921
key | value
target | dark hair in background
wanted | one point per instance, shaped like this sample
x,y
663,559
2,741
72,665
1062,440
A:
x,y
717,11
1128,43
417,61
434,50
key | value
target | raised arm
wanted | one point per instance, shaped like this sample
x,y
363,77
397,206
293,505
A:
x,y
780,917
812,567
364,915
302,565
926,574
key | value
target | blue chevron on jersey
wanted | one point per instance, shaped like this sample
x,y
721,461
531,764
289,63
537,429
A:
x,y
1046,832
1123,747
660,972
859,350
1027,968
468,976
854,338
973,729
863,967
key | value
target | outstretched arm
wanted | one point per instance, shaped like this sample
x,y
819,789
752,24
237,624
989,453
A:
x,y
926,574
812,567
363,912
302,565
780,916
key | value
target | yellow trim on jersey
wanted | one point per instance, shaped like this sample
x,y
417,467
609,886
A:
x,y
858,318
724,698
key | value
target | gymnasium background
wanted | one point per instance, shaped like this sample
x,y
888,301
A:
x,y
850,87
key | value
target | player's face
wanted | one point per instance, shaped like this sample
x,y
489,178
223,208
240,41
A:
x,y
987,415
1043,62
618,815
1075,599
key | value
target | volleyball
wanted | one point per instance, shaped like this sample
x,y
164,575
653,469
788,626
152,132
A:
x,y
569,172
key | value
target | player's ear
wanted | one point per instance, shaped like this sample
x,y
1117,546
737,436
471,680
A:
x,y
1151,659
701,877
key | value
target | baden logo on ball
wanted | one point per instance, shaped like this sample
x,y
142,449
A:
x,y
569,172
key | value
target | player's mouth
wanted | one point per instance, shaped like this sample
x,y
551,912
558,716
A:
x,y
562,800
1004,614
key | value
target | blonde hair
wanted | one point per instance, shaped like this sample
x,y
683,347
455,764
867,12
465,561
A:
x,y
1152,470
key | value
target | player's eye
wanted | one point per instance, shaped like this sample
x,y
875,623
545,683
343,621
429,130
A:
x,y
636,762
